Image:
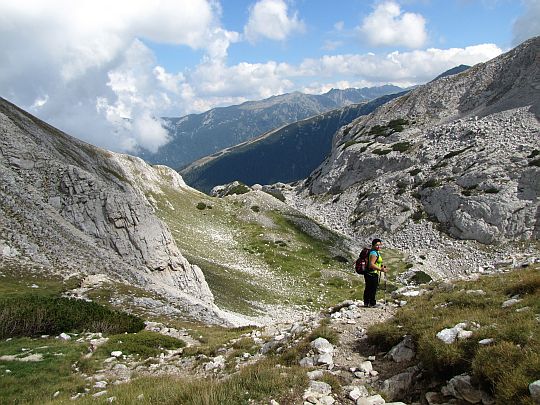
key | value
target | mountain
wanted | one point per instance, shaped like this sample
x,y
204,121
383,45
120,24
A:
x,y
73,209
197,135
453,71
455,159
285,154
120,232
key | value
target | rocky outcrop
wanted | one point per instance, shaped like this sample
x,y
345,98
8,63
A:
x,y
76,209
455,159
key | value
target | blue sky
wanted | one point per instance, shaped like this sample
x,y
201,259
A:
x,y
84,66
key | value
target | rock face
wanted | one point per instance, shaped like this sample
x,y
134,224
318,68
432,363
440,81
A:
x,y
73,208
462,152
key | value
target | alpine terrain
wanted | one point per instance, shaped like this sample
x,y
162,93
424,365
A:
x,y
285,154
122,284
448,172
197,135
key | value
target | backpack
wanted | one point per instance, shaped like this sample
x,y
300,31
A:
x,y
361,264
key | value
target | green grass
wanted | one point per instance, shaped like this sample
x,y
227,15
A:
x,y
254,383
36,382
31,315
516,334
143,344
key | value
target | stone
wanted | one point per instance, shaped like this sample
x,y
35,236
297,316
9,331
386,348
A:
x,y
510,302
64,336
307,362
326,359
371,400
485,342
366,366
116,353
358,392
534,389
403,351
316,374
398,386
460,387
322,346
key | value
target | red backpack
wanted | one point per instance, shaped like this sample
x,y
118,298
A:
x,y
361,264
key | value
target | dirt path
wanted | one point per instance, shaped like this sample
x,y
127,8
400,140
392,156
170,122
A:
x,y
353,335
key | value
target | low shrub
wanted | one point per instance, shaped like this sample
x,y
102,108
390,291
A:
x,y
414,172
143,343
382,152
35,315
401,146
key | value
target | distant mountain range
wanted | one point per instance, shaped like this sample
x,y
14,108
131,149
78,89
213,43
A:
x,y
285,154
197,135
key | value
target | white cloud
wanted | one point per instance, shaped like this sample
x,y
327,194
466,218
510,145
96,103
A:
x,y
528,24
389,26
82,66
270,19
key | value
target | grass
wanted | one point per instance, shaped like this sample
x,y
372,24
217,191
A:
x,y
143,344
36,382
516,334
31,315
252,384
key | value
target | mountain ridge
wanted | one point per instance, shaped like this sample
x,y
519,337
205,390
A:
x,y
198,135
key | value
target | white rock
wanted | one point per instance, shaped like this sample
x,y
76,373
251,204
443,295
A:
x,y
100,384
485,342
99,394
358,392
64,336
322,345
510,302
366,366
316,374
372,400
116,353
534,389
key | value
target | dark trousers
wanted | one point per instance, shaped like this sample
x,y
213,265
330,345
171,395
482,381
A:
x,y
372,282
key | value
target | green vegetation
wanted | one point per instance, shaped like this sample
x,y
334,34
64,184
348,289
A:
x,y
431,183
253,383
35,382
34,315
381,152
535,162
349,143
240,188
401,146
144,344
516,334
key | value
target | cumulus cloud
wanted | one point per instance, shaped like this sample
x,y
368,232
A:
x,y
528,24
270,19
387,25
400,68
82,66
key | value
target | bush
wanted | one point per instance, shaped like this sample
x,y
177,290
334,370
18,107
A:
x,y
414,172
382,152
34,315
401,146
201,206
144,343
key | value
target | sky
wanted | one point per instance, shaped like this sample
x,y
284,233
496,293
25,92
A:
x,y
105,71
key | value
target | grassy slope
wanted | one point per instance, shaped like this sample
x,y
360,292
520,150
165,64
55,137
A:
x,y
515,330
251,254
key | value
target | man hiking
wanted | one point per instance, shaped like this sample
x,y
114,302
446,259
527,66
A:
x,y
371,275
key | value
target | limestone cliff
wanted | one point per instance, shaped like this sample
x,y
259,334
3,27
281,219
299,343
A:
x,y
73,208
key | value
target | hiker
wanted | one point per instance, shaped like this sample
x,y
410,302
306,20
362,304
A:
x,y
372,274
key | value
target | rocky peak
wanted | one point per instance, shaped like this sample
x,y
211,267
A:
x,y
456,157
